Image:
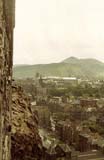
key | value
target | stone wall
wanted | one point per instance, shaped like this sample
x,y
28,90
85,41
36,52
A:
x,y
6,49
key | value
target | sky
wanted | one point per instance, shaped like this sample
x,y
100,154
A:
x,y
49,31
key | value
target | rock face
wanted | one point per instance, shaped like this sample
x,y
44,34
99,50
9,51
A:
x,y
26,142
6,50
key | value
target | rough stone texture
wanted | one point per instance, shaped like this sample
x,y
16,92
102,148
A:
x,y
26,142
6,50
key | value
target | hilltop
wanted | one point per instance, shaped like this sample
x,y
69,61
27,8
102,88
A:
x,y
72,66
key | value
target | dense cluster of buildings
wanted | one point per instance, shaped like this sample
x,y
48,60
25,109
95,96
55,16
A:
x,y
75,121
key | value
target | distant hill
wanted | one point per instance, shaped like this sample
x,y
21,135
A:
x,y
70,60
81,68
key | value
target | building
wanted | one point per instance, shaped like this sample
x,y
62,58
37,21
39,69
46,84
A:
x,y
7,22
88,102
61,81
65,131
84,144
56,100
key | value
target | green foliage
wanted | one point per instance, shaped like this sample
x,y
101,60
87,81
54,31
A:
x,y
78,91
57,92
84,68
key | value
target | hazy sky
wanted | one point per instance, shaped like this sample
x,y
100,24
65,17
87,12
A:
x,y
51,30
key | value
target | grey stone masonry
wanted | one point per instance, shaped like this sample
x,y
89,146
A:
x,y
6,52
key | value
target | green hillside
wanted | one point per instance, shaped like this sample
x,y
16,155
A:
x,y
81,68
